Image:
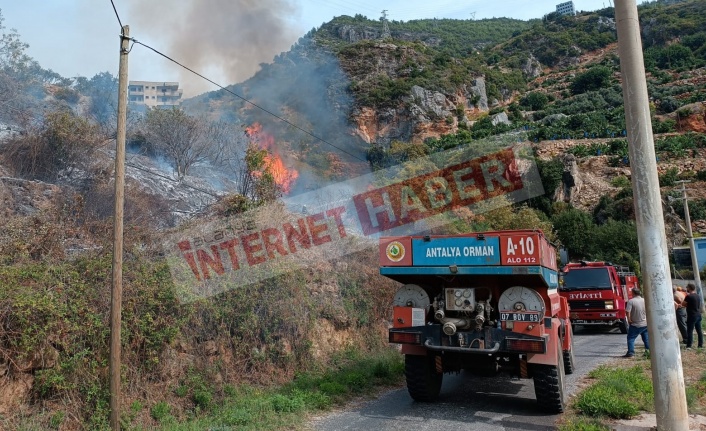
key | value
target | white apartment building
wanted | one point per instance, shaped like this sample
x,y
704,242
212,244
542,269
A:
x,y
566,8
151,94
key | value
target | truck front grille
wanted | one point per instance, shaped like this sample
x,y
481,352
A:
x,y
587,304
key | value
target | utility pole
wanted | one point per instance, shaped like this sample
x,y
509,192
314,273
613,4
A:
x,y
690,235
116,294
665,357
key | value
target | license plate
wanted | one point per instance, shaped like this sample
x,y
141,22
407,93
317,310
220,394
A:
x,y
520,317
578,321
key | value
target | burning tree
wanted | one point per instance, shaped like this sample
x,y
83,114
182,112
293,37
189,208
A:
x,y
268,160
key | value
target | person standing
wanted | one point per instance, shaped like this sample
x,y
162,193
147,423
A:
x,y
694,304
680,309
637,318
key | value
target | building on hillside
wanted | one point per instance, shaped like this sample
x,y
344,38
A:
x,y
154,94
566,8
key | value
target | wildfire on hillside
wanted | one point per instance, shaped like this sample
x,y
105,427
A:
x,y
284,177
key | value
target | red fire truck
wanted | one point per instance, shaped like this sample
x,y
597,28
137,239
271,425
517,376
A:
x,y
597,293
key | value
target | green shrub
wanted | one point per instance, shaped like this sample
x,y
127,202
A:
x,y
593,79
620,181
601,400
202,398
669,178
292,403
160,411
583,424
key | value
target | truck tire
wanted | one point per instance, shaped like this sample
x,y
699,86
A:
x,y
423,381
549,386
623,325
569,356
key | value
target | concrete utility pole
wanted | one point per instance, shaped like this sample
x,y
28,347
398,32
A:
x,y
116,296
667,372
690,235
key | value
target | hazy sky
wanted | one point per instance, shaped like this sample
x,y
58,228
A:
x,y
223,39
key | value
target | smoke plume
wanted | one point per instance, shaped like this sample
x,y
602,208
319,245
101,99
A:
x,y
226,39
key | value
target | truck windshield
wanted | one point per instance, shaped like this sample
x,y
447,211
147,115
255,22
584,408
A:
x,y
587,278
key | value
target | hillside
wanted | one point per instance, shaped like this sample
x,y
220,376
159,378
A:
x,y
342,103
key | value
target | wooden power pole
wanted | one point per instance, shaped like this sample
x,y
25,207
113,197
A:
x,y
116,295
667,372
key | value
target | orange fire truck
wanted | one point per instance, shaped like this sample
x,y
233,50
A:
x,y
481,302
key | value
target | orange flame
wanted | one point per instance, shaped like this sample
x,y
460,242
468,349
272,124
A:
x,y
284,178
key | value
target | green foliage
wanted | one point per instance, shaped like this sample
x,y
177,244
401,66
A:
x,y
673,56
575,229
618,393
161,411
680,145
583,424
669,178
457,37
534,100
593,79
697,209
605,401
620,181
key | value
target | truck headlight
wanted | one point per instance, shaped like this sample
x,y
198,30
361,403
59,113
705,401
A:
x,y
609,305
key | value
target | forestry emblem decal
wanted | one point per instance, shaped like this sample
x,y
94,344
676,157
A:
x,y
395,251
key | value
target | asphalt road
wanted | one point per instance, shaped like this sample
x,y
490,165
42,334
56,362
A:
x,y
475,403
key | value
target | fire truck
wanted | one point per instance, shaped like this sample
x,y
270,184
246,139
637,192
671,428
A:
x,y
597,293
486,303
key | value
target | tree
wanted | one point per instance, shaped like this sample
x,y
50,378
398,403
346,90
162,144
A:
x,y
593,79
62,144
13,102
179,136
535,101
102,90
575,229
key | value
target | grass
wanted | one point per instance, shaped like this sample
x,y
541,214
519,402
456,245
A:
x,y
246,407
623,390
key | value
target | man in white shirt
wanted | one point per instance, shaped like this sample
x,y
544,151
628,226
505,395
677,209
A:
x,y
637,317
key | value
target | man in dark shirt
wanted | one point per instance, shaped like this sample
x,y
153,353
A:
x,y
694,304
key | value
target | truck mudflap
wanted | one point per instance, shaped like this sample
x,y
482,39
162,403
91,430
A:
x,y
483,342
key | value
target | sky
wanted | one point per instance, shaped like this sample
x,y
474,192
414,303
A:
x,y
225,40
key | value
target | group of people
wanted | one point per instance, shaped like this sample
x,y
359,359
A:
x,y
688,305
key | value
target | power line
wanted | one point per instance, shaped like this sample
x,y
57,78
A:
x,y
116,14
248,101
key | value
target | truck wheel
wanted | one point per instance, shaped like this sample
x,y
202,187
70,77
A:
x,y
549,386
623,325
569,356
423,382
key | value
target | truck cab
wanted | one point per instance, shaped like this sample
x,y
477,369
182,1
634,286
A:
x,y
597,293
